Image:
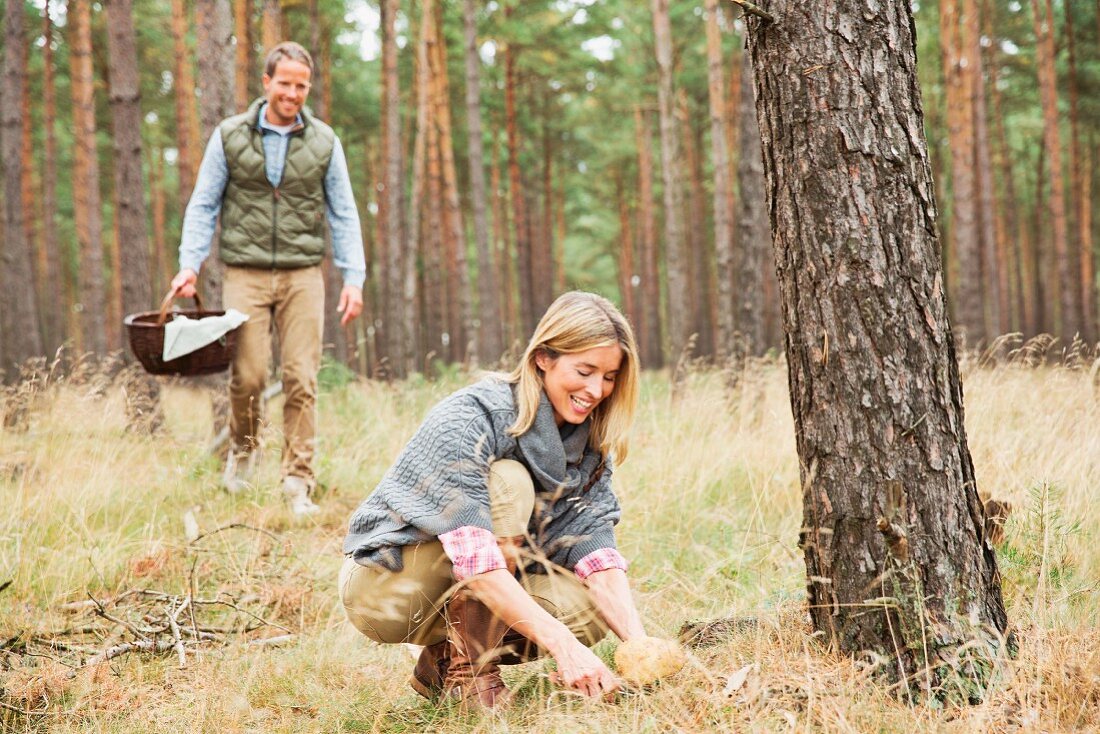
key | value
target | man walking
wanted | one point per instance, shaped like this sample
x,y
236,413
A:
x,y
274,174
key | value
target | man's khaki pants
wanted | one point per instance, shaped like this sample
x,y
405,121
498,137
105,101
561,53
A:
x,y
408,606
293,302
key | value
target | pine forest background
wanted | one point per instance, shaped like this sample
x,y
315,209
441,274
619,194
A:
x,y
502,152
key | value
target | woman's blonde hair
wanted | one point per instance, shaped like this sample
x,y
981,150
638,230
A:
x,y
578,321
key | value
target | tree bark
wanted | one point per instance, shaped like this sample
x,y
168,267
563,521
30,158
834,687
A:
x,y
86,196
723,196
53,313
18,307
676,256
893,529
650,333
125,102
1043,18
959,70
983,177
695,239
752,226
490,339
627,270
215,30
242,24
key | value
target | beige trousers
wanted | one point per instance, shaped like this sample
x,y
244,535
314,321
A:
x,y
408,606
292,304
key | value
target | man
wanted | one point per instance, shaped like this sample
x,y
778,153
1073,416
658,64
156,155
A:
x,y
274,174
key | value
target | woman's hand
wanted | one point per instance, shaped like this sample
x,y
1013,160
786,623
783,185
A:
x,y
581,670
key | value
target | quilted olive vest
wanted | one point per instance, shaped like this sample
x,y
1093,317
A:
x,y
265,226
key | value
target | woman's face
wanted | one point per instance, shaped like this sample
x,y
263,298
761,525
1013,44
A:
x,y
577,383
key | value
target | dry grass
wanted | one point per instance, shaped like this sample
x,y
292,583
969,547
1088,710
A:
x,y
711,510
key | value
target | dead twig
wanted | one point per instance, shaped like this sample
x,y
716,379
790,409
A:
x,y
27,712
101,611
234,526
173,622
272,641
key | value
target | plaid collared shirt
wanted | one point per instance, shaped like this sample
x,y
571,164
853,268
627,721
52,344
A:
x,y
474,550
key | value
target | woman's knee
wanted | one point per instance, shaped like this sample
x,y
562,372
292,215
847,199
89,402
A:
x,y
512,497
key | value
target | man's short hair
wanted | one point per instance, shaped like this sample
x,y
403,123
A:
x,y
287,50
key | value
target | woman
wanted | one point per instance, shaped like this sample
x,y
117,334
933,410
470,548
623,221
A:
x,y
490,540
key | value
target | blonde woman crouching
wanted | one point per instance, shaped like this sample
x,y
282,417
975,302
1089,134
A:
x,y
491,539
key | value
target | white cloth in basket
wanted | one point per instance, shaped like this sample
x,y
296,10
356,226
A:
x,y
183,335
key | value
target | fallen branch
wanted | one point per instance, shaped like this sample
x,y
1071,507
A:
x,y
272,641
123,648
26,712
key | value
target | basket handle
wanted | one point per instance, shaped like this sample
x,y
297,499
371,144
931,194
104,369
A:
x,y
168,302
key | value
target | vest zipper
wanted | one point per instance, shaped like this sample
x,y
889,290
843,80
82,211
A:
x,y
274,224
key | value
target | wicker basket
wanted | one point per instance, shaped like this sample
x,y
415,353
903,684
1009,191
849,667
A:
x,y
146,332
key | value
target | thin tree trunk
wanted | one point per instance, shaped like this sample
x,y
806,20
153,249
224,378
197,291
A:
x,y
162,265
628,278
463,331
521,231
652,354
752,225
676,256
1043,18
490,339
504,260
53,307
272,26
959,70
393,279
18,307
125,101
695,238
86,201
892,524
242,24
28,201
983,177
547,264
215,30
723,197
186,118
1080,192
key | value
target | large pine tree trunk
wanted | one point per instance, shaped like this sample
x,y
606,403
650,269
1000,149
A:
x,y
752,226
723,211
53,313
1043,17
960,78
243,71
676,256
896,556
489,340
650,333
86,201
18,307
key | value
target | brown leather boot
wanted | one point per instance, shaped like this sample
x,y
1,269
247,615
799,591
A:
x,y
431,667
473,676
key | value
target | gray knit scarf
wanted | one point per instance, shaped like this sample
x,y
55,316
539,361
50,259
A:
x,y
560,460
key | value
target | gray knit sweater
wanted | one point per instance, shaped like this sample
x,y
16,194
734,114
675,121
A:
x,y
439,482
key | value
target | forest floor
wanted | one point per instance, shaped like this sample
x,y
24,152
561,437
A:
x,y
711,512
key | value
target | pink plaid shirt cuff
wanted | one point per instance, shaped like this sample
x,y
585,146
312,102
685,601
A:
x,y
599,560
472,550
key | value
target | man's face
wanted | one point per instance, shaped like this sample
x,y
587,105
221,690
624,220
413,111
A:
x,y
286,91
